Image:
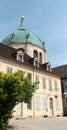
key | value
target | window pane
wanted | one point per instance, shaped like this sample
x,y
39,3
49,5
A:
x,y
37,103
40,56
50,84
44,83
9,70
57,103
19,57
35,54
45,103
37,81
35,63
55,86
29,76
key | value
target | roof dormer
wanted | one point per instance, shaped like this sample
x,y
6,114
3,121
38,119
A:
x,y
47,66
20,55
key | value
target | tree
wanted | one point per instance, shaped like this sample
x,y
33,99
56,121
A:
x,y
14,88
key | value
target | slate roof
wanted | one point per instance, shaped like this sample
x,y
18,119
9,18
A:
x,y
60,70
11,53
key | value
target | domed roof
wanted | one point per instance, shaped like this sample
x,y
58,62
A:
x,y
23,35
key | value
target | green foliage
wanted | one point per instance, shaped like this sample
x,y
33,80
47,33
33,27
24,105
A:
x,y
14,88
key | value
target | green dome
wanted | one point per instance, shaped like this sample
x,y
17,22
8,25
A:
x,y
23,35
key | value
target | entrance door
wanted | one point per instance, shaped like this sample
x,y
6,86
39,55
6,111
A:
x,y
19,110
51,106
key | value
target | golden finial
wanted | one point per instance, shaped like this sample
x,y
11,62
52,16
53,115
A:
x,y
22,18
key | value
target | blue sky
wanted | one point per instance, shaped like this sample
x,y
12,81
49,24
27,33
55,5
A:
x,y
45,18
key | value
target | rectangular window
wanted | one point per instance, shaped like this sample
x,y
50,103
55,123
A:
x,y
48,68
29,105
45,103
29,76
55,85
9,70
57,102
37,81
50,84
35,63
37,103
44,83
19,57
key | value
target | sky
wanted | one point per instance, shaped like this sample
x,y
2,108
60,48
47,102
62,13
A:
x,y
45,18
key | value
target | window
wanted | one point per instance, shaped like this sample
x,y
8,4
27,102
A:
x,y
44,83
57,102
35,63
45,103
20,56
37,81
55,85
9,70
29,105
40,56
35,54
29,76
50,84
48,68
37,103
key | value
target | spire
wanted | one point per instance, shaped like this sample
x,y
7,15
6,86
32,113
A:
x,y
22,27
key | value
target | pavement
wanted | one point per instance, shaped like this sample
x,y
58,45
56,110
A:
x,y
57,123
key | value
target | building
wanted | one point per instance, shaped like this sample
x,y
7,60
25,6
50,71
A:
x,y
62,72
23,50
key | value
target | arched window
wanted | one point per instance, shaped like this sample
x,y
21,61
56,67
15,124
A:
x,y
40,57
35,54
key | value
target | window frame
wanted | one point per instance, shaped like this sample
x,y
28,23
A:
x,y
29,105
44,83
20,53
9,69
50,84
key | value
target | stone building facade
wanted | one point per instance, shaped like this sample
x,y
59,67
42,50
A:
x,y
22,50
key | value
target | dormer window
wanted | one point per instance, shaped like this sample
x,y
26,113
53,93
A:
x,y
48,67
20,56
36,63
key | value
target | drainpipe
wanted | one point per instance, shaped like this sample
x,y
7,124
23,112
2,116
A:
x,y
33,95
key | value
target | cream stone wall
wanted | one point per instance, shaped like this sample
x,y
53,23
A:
x,y
29,48
40,92
17,45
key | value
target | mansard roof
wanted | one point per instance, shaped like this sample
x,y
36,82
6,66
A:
x,y
61,70
11,53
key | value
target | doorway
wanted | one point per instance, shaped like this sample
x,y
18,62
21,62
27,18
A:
x,y
51,107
